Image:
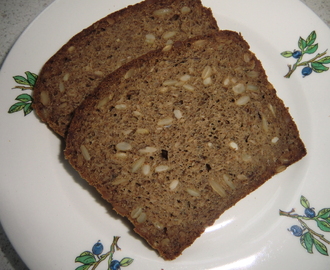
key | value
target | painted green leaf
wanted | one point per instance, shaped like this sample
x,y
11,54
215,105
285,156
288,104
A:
x,y
320,247
323,225
311,38
286,54
324,60
27,109
307,239
302,241
318,67
304,202
126,261
31,78
24,98
302,44
17,107
312,49
324,213
86,253
86,257
21,80
84,267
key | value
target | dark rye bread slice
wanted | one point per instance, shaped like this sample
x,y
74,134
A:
x,y
80,65
173,139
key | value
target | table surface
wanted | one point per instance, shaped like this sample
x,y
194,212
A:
x,y
15,16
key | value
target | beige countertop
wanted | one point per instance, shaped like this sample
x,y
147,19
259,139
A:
x,y
15,16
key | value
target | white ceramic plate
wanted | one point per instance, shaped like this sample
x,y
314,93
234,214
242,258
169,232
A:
x,y
51,215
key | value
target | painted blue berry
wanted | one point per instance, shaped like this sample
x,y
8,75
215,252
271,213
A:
x,y
309,212
296,54
306,71
296,230
97,248
115,265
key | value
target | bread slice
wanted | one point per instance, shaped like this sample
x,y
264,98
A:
x,y
175,138
80,65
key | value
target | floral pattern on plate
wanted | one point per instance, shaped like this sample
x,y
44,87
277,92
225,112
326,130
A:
x,y
24,100
309,238
92,259
307,46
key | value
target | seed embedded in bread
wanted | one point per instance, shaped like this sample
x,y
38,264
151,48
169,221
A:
x,y
138,164
121,107
146,169
253,74
85,152
123,146
243,100
233,145
142,218
136,212
185,10
217,188
169,34
121,155
271,108
44,98
147,150
167,47
129,73
177,114
188,87
207,81
162,12
239,88
265,124
251,87
185,78
193,192
170,82
207,72
150,38
174,184
142,131
162,168
275,140
165,121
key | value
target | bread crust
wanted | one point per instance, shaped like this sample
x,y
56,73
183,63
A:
x,y
202,127
80,65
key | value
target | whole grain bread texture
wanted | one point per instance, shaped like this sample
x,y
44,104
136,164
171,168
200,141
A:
x,y
175,138
80,65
